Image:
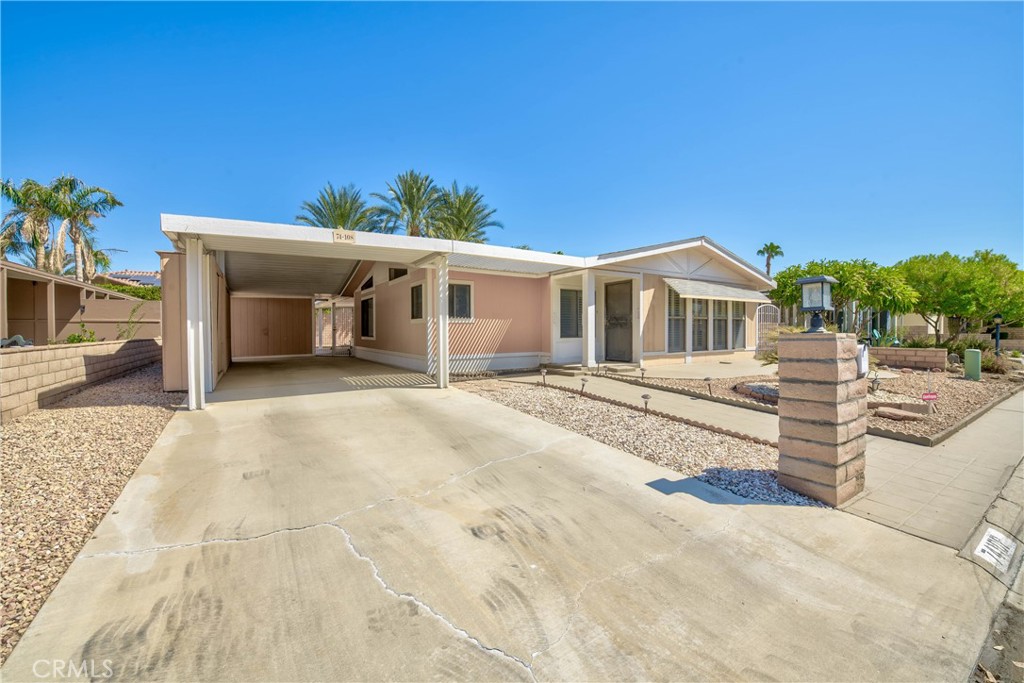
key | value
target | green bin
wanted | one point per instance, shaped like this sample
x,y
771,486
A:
x,y
972,364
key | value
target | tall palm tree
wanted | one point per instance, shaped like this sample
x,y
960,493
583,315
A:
x,y
345,209
463,215
77,204
769,251
27,222
410,204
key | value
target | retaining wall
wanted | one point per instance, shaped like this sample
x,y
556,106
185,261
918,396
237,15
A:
x,y
35,376
918,359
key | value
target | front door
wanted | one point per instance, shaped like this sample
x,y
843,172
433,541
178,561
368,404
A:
x,y
618,321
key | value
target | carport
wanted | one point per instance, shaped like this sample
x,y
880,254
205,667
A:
x,y
244,258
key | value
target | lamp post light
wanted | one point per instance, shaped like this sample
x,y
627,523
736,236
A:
x,y
544,376
998,320
816,297
646,398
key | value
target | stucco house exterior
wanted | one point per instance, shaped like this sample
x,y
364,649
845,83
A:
x,y
242,290
679,302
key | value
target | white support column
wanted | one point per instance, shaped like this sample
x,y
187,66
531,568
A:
x,y
589,319
208,345
689,329
441,312
3,302
194,327
641,317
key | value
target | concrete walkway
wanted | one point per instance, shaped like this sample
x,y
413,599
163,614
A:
x,y
942,493
938,493
369,530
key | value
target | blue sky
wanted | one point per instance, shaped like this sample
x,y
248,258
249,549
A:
x,y
873,130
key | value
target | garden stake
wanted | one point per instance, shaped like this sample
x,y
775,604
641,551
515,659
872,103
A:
x,y
583,384
708,380
646,398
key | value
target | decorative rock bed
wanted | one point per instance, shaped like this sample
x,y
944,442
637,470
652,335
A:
x,y
959,399
738,465
62,468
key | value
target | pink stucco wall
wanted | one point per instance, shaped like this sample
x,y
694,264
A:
x,y
394,329
510,315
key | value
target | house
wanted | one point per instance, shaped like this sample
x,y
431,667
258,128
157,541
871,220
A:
x,y
244,290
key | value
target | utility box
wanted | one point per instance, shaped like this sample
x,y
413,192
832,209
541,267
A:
x,y
972,364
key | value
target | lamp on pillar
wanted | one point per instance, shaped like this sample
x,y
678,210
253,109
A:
x,y
816,297
998,320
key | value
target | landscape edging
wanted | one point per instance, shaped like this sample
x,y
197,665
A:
x,y
658,413
929,441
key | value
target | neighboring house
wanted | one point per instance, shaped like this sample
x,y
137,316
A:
x,y
43,307
445,307
147,278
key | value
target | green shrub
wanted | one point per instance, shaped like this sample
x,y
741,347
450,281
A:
x,y
919,343
990,362
138,291
771,354
960,346
1015,354
82,337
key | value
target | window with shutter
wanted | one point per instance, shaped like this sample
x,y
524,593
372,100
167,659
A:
x,y
571,313
676,322
700,324
739,325
721,318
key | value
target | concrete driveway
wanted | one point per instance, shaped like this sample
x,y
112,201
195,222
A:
x,y
329,519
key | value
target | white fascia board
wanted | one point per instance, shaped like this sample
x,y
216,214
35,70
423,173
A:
x,y
643,252
513,254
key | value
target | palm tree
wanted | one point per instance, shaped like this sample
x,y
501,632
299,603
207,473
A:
x,y
344,209
410,204
77,204
26,225
769,251
463,215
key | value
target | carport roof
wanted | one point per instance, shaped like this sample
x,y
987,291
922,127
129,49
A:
x,y
273,258
307,261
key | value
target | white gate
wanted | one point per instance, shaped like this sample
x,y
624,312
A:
x,y
767,320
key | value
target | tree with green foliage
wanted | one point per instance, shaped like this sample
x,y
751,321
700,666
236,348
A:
x,y
462,215
77,205
966,290
860,284
147,292
769,251
410,204
26,225
343,209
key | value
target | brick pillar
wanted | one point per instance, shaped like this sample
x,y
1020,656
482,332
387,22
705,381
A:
x,y
822,416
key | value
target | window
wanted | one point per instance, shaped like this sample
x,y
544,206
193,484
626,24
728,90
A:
x,y
571,313
700,324
416,302
739,325
366,318
395,273
721,318
676,322
460,302
367,284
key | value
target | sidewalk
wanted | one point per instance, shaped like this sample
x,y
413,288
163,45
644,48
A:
x,y
939,493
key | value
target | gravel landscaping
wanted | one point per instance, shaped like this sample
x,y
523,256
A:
x,y
745,468
61,470
958,397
